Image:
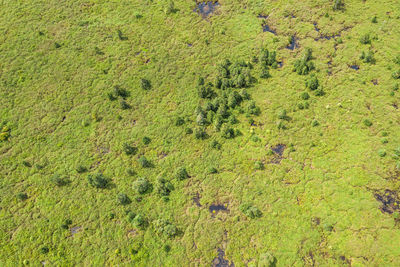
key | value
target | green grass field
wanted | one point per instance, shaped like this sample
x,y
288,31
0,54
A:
x,y
114,153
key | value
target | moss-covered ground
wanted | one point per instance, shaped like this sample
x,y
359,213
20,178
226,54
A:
x,y
329,200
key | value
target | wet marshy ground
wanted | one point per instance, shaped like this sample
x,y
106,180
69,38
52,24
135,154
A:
x,y
220,260
293,43
215,208
196,200
267,28
389,201
205,9
278,153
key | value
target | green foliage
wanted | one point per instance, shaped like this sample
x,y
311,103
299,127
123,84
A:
x,y
252,109
98,180
396,74
266,260
312,83
304,96
170,9
338,5
304,65
182,174
146,140
227,132
145,84
123,199
200,133
164,187
374,19
129,150
58,180
365,39
124,105
206,91
5,133
397,59
368,57
214,144
44,250
22,196
188,131
164,227
144,162
179,121
118,91
367,122
212,170
259,165
282,114
381,153
250,211
141,185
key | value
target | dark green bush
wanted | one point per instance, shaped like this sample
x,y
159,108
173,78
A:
x,y
200,119
265,73
129,150
315,123
27,163
111,96
397,59
81,169
227,132
200,133
368,57
212,170
282,114
146,140
58,180
22,196
124,105
167,248
44,250
365,39
205,91
98,180
374,19
144,162
305,96
304,65
367,123
179,121
145,84
234,99
142,185
312,82
182,174
118,91
252,109
123,199
396,74
164,227
258,165
188,131
164,187
130,172
139,221
214,144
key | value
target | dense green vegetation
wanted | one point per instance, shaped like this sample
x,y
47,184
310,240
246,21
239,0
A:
x,y
176,133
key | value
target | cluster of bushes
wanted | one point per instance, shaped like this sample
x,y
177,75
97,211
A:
x,y
122,93
368,57
5,133
98,180
304,65
164,188
313,84
250,211
225,95
164,227
267,59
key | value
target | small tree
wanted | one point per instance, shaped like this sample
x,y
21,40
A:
x,y
312,83
123,199
182,174
144,162
142,185
129,150
98,180
145,84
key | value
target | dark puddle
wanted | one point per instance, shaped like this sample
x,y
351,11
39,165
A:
x,y
266,28
316,27
374,81
196,200
261,16
189,45
215,208
278,150
205,9
293,43
75,230
220,260
280,64
395,106
389,201
354,67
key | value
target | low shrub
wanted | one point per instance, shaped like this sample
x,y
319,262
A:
x,y
58,180
188,131
145,84
144,162
396,74
252,109
179,121
141,185
258,165
305,96
314,123
338,5
266,260
374,19
164,187
367,122
312,83
381,153
182,174
123,199
129,150
212,170
124,105
44,250
22,196
282,114
250,211
214,144
200,133
368,57
164,227
146,140
227,132
118,91
98,180
365,39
